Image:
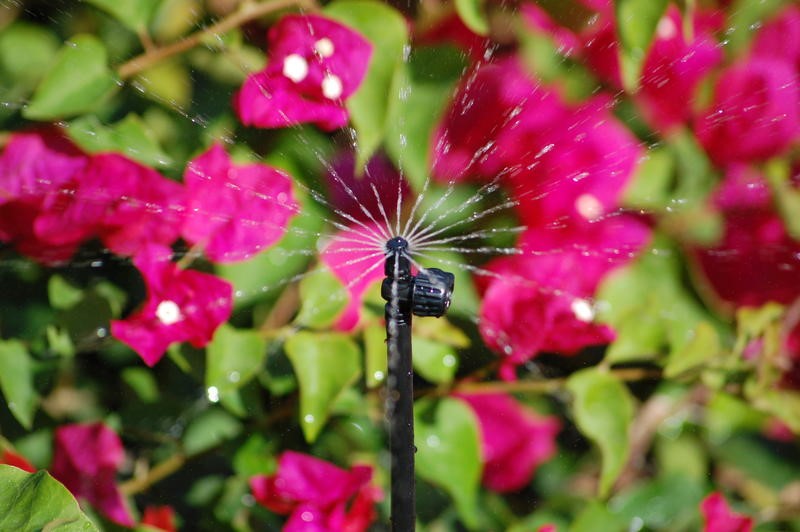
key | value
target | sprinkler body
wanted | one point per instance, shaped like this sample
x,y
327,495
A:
x,y
426,294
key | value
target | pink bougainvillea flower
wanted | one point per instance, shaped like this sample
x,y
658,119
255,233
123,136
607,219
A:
x,y
780,37
127,205
514,440
755,114
541,300
673,68
718,516
490,103
540,21
315,64
235,211
181,306
356,258
13,459
756,261
33,164
317,495
86,458
160,517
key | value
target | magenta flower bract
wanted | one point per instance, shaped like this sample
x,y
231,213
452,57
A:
x,y
33,164
356,259
718,516
181,306
160,517
235,211
755,114
780,37
317,495
514,440
315,64
86,458
125,204
541,300
756,261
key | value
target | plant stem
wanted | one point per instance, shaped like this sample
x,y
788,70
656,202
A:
x,y
154,475
247,12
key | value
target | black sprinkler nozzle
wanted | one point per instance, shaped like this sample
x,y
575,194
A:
x,y
426,294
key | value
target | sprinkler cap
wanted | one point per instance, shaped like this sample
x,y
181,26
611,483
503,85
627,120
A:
x,y
431,293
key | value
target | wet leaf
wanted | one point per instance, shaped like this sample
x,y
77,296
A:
x,y
37,501
209,429
448,452
233,357
637,21
436,362
79,81
421,90
603,410
473,16
386,29
130,136
375,356
16,381
666,503
745,18
325,365
135,14
323,298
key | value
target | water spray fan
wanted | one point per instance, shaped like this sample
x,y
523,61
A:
x,y
426,294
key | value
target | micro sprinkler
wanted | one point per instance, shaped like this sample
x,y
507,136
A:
x,y
426,294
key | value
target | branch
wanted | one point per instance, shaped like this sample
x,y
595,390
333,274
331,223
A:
x,y
247,12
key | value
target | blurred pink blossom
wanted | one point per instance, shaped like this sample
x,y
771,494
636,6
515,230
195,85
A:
x,y
86,458
542,300
127,205
780,37
317,495
718,516
235,211
356,258
755,113
756,261
315,64
181,306
514,440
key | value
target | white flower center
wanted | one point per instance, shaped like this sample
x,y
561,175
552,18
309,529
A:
x,y
324,47
331,86
168,313
582,310
666,28
295,67
588,206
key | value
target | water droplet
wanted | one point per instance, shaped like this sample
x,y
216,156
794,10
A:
x,y
213,394
101,332
379,375
168,312
308,418
234,376
582,310
308,517
324,47
449,361
332,87
295,67
433,441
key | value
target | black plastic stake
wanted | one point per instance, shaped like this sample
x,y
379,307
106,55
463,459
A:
x,y
427,294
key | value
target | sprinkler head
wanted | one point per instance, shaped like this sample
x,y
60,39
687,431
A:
x,y
426,294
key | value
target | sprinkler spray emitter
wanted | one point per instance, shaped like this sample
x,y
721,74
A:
x,y
426,294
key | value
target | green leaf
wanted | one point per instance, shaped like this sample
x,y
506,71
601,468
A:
x,y
386,29
472,15
79,81
603,410
254,457
375,357
745,17
37,501
649,307
595,516
325,365
436,362
16,381
135,14
168,82
701,348
233,357
426,83
142,382
650,186
448,452
26,50
130,136
666,503
323,298
209,429
637,21
62,294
